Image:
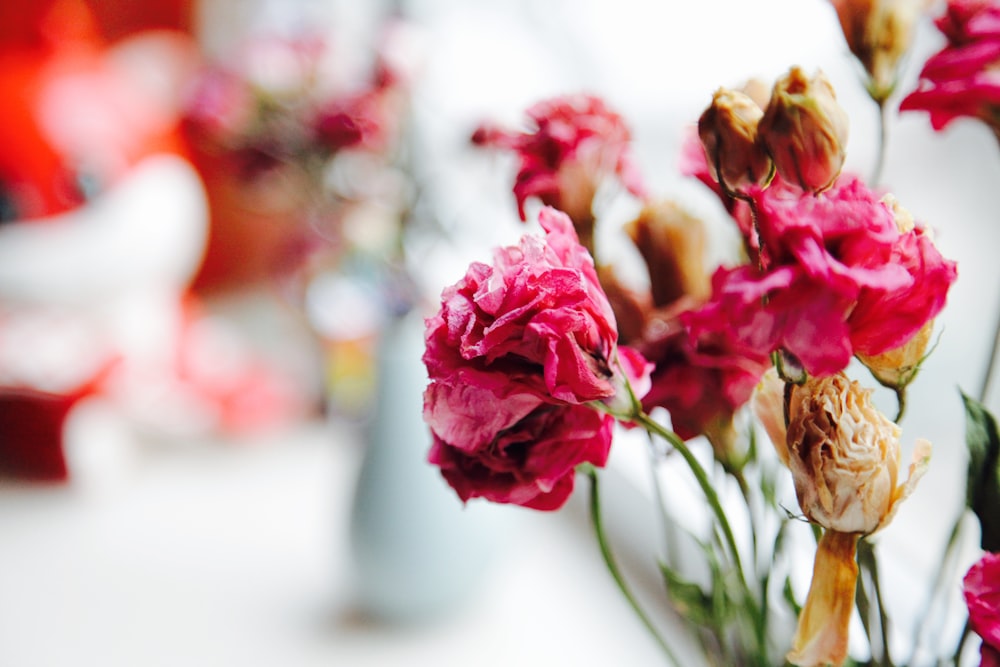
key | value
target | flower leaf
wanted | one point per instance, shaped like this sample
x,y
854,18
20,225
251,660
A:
x,y
982,491
688,599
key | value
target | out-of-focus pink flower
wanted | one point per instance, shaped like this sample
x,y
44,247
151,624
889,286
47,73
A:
x,y
839,278
982,597
531,463
515,354
700,379
537,317
575,143
963,79
357,120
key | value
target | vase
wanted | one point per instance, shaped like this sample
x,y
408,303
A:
x,y
418,551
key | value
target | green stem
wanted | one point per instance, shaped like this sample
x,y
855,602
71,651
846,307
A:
x,y
868,561
883,140
701,476
612,565
966,633
937,588
984,389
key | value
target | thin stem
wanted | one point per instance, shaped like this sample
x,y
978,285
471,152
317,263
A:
x,y
883,140
966,633
984,389
867,560
706,486
612,565
922,630
749,201
900,403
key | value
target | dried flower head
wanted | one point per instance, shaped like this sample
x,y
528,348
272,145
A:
x,y
728,133
673,244
845,457
960,80
804,130
879,33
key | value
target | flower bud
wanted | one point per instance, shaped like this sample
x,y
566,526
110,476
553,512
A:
x,y
897,367
845,456
728,133
804,130
672,242
879,33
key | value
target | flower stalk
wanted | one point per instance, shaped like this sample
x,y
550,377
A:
x,y
614,570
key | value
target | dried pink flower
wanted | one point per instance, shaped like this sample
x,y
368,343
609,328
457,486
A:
x,y
516,352
839,278
982,597
963,79
575,143
530,463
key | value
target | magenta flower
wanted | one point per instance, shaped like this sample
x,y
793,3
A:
x,y
532,462
839,277
537,318
963,79
516,352
700,380
982,597
575,142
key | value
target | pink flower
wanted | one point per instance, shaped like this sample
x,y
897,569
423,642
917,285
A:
x,y
360,119
700,380
530,463
963,78
982,597
517,351
838,277
575,143
537,318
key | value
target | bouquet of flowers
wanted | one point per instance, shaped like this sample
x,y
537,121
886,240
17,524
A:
x,y
539,359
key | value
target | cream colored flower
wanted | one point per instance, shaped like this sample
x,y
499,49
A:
x,y
845,456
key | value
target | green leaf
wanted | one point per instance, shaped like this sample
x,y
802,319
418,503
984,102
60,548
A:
x,y
688,599
982,490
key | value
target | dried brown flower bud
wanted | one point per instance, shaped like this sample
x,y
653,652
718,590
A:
x,y
804,130
672,242
879,33
728,133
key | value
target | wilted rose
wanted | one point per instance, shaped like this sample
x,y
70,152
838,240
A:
x,y
804,130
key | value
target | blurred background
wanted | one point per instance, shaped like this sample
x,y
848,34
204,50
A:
x,y
221,224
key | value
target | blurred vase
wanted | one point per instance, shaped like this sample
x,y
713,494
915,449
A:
x,y
418,551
